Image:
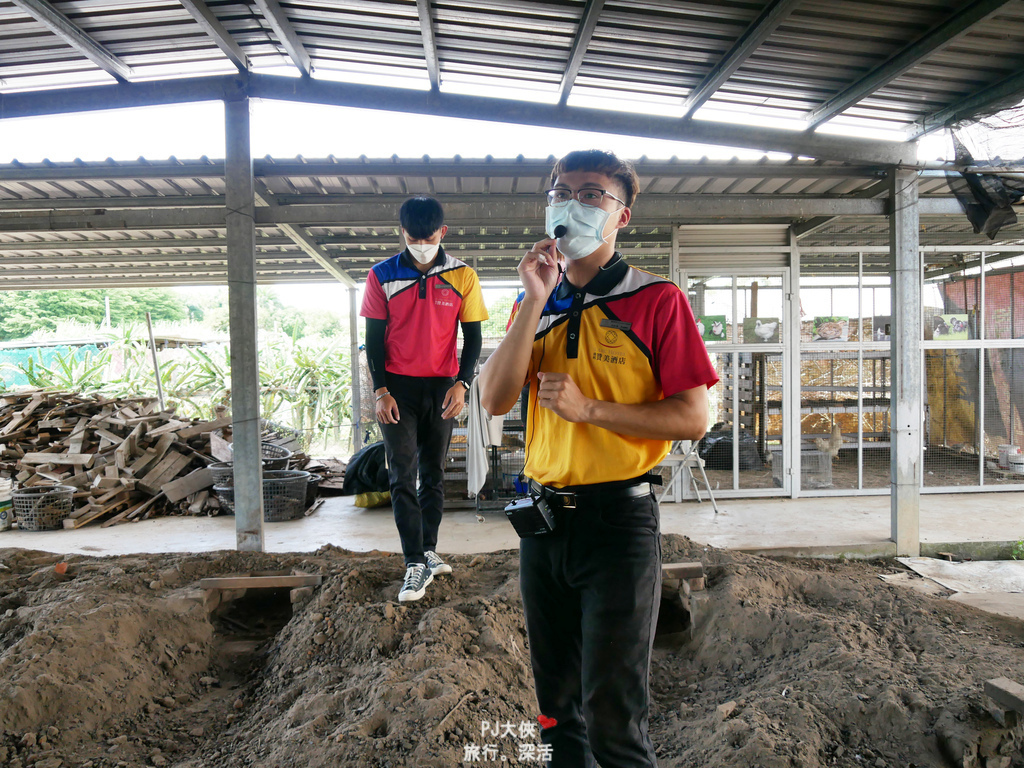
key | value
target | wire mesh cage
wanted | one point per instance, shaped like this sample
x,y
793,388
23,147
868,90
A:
x,y
284,494
42,507
505,463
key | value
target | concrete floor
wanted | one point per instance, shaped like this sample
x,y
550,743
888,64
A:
x,y
980,525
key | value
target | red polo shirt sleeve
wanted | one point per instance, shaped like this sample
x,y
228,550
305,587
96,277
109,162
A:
x,y
375,303
681,361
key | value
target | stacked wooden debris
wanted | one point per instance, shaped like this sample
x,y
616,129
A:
x,y
126,459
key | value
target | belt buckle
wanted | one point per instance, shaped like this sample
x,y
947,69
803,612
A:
x,y
568,500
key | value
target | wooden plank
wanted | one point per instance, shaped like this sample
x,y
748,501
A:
x,y
171,426
1005,692
177,489
126,450
145,507
77,437
262,582
198,503
120,516
163,472
108,435
152,455
203,427
682,571
78,459
95,514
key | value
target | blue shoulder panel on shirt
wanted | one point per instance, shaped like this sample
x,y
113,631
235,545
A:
x,y
393,269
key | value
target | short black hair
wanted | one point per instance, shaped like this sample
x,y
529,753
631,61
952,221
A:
x,y
421,217
621,172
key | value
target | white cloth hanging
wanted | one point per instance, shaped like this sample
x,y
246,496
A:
x,y
484,431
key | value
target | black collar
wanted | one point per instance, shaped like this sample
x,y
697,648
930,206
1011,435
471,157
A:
x,y
602,283
407,260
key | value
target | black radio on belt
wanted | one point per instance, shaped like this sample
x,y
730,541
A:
x,y
530,517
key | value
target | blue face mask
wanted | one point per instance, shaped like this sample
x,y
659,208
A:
x,y
584,226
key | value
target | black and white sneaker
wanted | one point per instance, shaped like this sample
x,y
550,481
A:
x,y
417,577
438,567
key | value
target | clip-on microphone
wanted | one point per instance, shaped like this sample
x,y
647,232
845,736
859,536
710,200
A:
x,y
560,231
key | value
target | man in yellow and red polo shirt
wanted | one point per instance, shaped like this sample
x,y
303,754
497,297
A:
x,y
617,370
413,305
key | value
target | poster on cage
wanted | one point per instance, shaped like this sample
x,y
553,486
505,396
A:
x,y
762,330
949,328
712,327
831,328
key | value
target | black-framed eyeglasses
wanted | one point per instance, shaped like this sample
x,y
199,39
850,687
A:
x,y
592,196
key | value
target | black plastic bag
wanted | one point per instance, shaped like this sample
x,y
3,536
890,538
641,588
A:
x,y
366,471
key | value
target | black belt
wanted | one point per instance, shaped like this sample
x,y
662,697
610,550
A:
x,y
566,498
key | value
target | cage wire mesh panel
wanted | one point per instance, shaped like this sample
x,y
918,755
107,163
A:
x,y
505,463
760,311
845,370
951,455
716,446
974,396
1003,427
747,407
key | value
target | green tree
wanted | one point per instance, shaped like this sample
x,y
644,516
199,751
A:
x,y
24,312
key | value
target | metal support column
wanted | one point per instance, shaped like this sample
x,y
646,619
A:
x,y
793,425
357,403
907,411
245,375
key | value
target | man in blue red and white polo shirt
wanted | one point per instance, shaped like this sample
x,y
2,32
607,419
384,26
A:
x,y
413,305
617,370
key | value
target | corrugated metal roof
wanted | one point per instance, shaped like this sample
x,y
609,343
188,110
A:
x,y
162,222
864,64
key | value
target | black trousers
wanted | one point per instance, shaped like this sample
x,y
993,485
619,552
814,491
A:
x,y
418,443
591,593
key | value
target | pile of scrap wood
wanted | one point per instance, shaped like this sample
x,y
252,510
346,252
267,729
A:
x,y
127,459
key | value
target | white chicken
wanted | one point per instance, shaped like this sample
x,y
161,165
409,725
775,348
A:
x,y
764,331
700,327
833,444
717,329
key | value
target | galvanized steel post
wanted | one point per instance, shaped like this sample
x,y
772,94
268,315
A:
x,y
245,381
906,409
357,403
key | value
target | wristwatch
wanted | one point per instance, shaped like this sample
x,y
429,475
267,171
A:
x,y
464,383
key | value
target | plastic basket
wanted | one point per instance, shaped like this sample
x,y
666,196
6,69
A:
x,y
274,456
284,494
312,486
42,507
223,472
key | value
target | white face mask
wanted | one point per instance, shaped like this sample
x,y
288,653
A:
x,y
424,254
584,228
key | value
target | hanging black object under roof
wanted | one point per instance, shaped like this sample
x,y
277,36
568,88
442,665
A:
x,y
997,142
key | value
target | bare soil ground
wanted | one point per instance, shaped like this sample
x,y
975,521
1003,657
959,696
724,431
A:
x,y
794,663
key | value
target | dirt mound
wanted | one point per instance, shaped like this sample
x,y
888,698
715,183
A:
x,y
116,663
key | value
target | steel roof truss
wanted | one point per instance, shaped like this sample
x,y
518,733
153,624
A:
x,y
588,22
73,35
286,35
938,38
759,31
429,44
212,26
